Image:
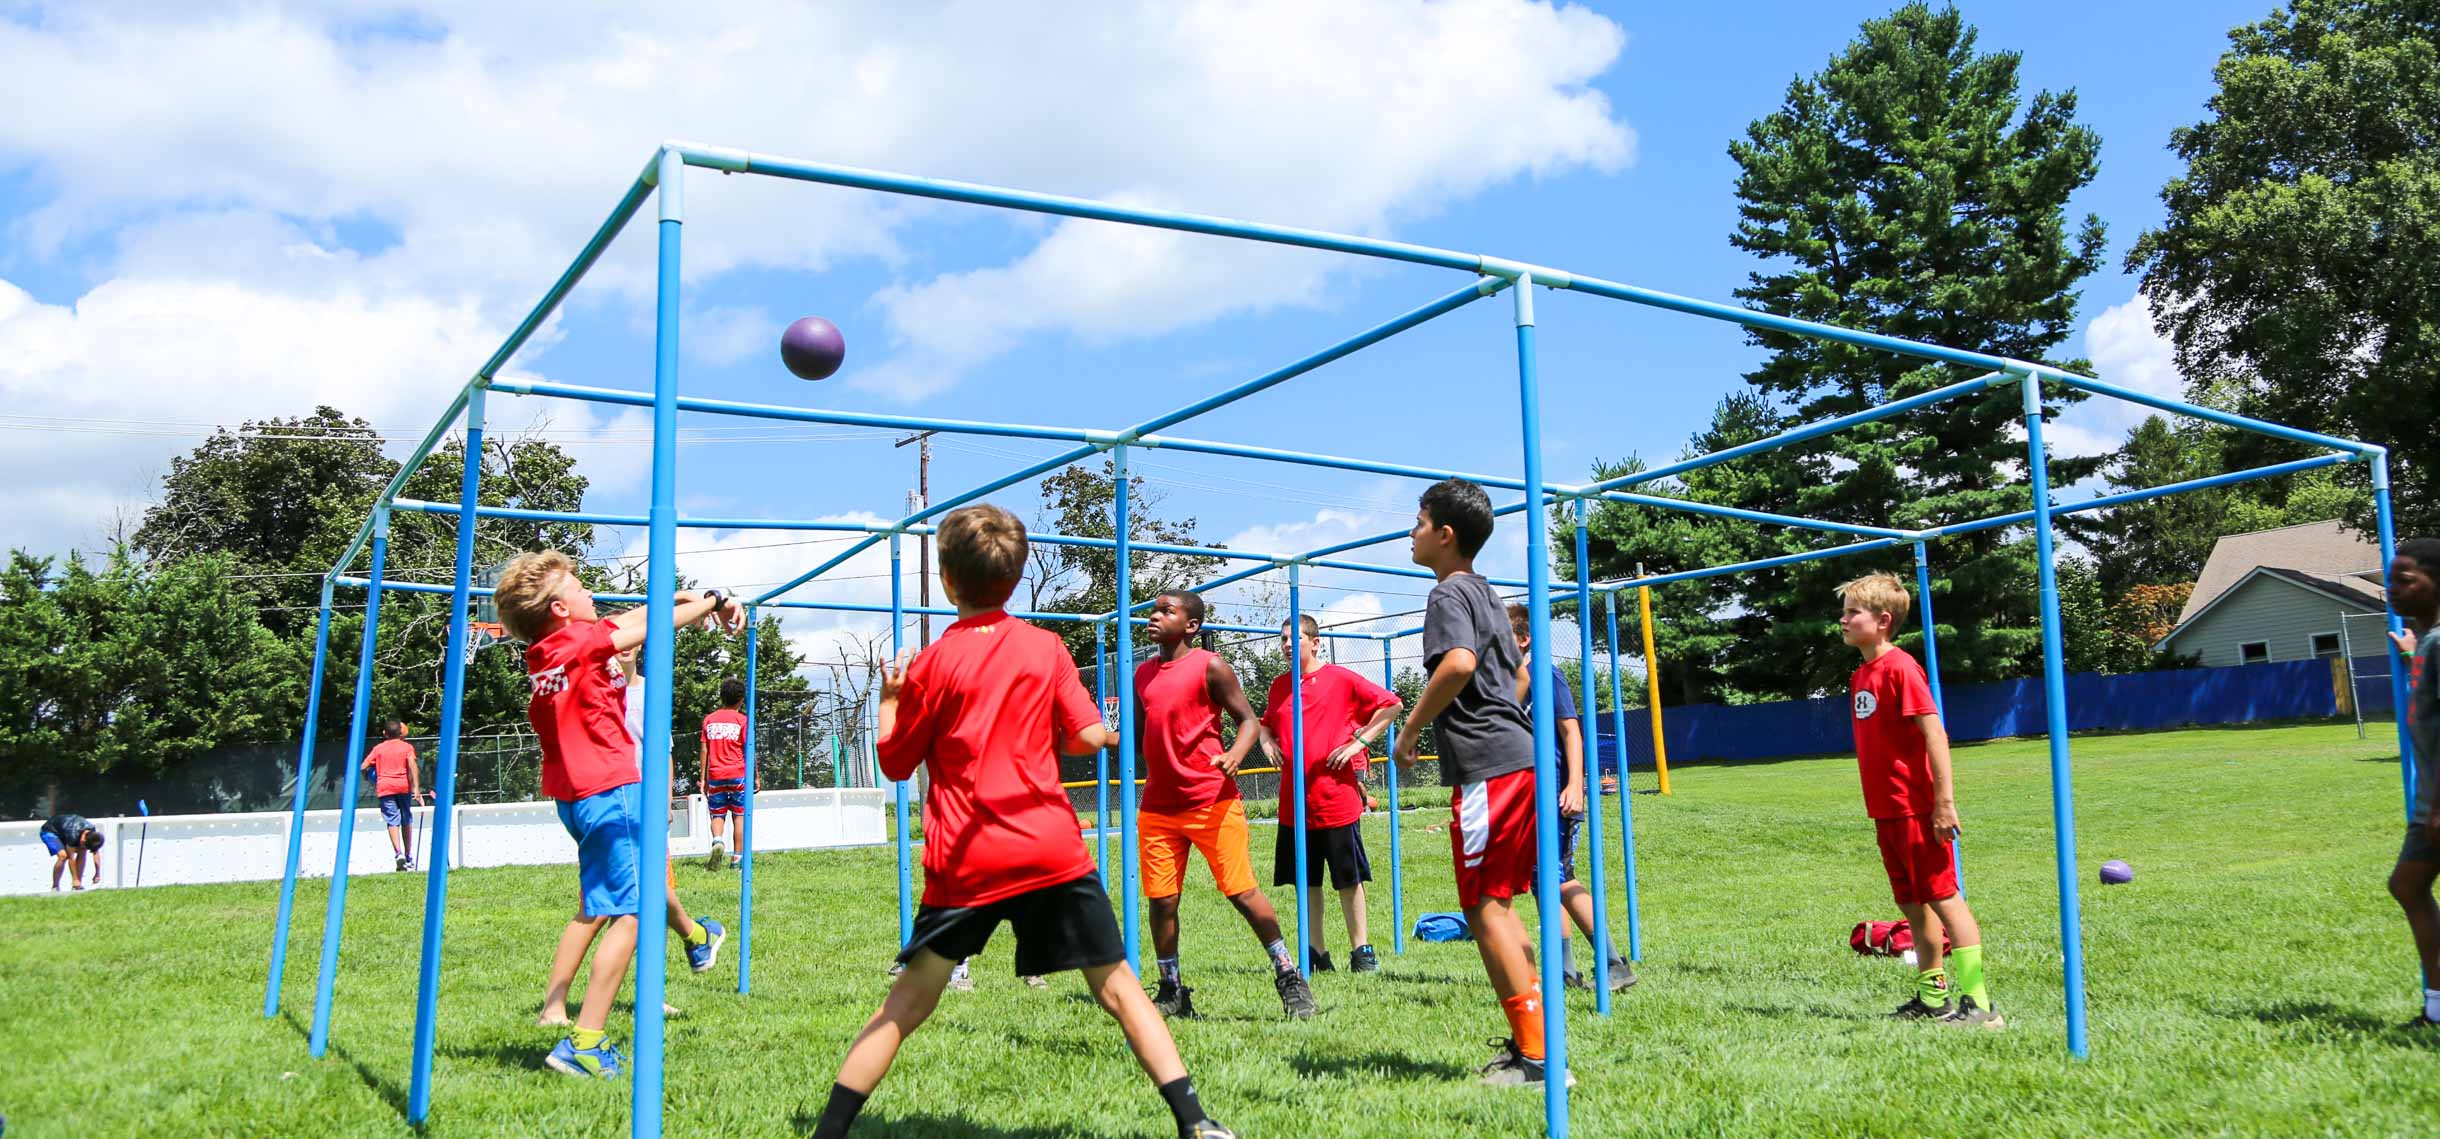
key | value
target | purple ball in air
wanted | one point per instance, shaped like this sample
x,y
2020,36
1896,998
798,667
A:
x,y
2116,873
812,348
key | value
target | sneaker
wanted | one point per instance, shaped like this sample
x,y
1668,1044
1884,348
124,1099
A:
x,y
1972,1015
1364,960
1205,1129
1035,982
701,957
736,860
601,1062
1173,999
712,861
398,862
1321,961
961,979
1916,1008
1574,979
1511,1069
1295,995
1622,974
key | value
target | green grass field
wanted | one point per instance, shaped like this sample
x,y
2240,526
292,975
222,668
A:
x,y
2246,983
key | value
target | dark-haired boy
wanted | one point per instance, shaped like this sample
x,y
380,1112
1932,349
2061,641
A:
x,y
1343,714
396,786
987,710
724,772
1191,799
1486,755
2414,594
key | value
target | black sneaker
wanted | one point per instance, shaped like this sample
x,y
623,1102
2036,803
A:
x,y
1511,1069
1321,961
1364,960
1916,1008
1173,999
1205,1129
1972,1015
398,862
1622,974
1574,980
1295,995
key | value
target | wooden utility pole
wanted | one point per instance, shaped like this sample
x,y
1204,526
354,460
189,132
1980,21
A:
x,y
923,542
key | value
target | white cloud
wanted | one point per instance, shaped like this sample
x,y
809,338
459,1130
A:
x,y
2127,352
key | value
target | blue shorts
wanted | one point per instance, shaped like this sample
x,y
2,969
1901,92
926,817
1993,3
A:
x,y
605,827
50,842
725,796
397,810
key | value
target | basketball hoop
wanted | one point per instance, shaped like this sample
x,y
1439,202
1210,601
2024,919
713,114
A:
x,y
481,633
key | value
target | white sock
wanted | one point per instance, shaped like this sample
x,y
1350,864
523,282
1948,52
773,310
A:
x,y
2431,1004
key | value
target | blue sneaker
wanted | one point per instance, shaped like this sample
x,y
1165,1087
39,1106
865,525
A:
x,y
601,1062
702,956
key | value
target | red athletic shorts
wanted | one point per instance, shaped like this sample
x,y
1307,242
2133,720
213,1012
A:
x,y
1491,837
1920,867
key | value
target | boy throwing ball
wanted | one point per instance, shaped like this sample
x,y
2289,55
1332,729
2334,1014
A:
x,y
1903,754
987,710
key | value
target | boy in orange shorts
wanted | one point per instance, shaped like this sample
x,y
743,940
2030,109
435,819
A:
x,y
1191,800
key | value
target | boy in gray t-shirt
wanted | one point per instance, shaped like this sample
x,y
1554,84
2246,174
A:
x,y
1486,758
2414,594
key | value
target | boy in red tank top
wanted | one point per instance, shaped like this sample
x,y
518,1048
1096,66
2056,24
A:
x,y
1190,798
1902,752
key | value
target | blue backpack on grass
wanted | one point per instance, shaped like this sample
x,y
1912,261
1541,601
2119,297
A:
x,y
1442,927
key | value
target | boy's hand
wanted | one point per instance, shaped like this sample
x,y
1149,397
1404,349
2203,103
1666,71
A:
x,y
1345,754
894,675
1227,762
1944,821
2404,640
1408,739
1571,799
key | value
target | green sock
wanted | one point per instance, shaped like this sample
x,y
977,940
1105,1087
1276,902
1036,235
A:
x,y
584,1038
701,936
1932,986
1968,959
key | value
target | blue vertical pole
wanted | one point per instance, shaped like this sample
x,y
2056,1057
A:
x,y
2054,707
1397,873
660,657
1931,670
296,809
1101,759
1295,775
1590,716
1124,633
2398,696
334,918
745,834
444,772
906,848
1626,791
1545,756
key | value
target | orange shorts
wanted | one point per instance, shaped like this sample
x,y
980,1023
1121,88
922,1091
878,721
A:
x,y
1218,831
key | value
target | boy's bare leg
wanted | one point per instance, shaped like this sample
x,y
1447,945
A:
x,y
1578,902
1500,938
59,862
1351,907
911,1001
1950,914
679,922
1164,925
2411,884
610,960
574,939
1258,913
1924,922
398,843
1122,996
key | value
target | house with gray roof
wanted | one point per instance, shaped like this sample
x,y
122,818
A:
x,y
2279,595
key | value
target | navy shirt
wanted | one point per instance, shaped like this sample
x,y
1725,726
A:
x,y
70,829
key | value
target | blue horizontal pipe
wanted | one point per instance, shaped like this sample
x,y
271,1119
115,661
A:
x,y
1808,431
2109,500
1759,564
2224,418
1714,310
627,398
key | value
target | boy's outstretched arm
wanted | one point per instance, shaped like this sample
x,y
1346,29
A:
x,y
1449,677
1944,788
627,629
1221,681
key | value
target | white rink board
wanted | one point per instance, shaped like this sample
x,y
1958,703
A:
x,y
253,847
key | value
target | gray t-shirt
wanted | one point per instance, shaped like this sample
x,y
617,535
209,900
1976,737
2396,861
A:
x,y
2423,726
1484,731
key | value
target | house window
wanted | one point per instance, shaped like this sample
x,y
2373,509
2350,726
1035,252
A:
x,y
2325,645
2254,652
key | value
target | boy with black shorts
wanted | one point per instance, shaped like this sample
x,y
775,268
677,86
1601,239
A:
x,y
1344,713
396,786
590,765
2414,594
1573,897
988,710
724,772
1191,801
1486,756
1902,752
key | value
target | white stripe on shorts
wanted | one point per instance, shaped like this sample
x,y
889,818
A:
x,y
1474,821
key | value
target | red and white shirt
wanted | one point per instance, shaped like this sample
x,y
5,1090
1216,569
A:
x,y
724,744
579,711
1338,702
1890,751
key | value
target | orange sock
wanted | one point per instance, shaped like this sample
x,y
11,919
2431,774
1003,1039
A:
x,y
1525,1021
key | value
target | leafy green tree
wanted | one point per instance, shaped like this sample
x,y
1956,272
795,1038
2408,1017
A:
x,y
2164,541
2294,275
1078,501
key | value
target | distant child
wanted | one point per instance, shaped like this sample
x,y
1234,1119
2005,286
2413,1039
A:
x,y
1903,754
1486,755
1577,900
1344,714
589,765
1191,799
988,710
396,786
71,840
2414,594
724,771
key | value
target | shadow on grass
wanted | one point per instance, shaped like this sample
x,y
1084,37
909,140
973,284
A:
x,y
2326,1016
925,1125
1374,1066
389,1092
513,1055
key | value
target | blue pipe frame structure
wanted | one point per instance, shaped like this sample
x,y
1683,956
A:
x,y
663,179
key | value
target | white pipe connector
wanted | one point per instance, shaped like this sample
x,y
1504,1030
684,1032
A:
x,y
726,159
1523,273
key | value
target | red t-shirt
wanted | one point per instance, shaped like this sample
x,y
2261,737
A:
x,y
985,709
579,711
724,744
389,760
1181,734
1337,703
1890,751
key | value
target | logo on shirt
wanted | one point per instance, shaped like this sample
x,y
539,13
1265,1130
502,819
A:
x,y
1865,704
727,733
550,681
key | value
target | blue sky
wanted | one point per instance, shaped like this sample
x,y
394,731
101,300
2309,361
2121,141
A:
x,y
301,205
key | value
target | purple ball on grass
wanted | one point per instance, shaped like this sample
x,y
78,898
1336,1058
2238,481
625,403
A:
x,y
812,348
2116,872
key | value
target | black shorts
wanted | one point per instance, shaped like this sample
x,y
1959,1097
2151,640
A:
x,y
1062,927
2418,846
1340,848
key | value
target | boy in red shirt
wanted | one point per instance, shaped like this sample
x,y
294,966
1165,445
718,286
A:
x,y
1344,714
988,710
1191,799
589,764
1486,755
1902,752
396,786
724,771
